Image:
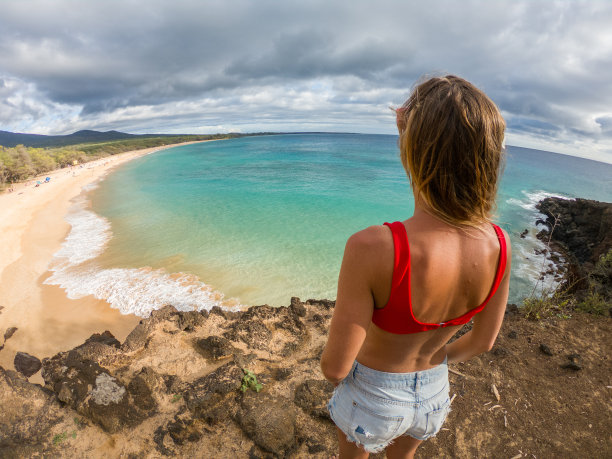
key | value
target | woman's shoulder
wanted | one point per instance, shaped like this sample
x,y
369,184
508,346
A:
x,y
374,244
372,237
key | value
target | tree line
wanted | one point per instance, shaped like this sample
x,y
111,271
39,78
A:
x,y
21,163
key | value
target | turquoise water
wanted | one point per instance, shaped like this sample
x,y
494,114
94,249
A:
x,y
261,219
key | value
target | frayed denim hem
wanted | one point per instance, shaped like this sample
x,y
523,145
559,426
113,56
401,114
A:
x,y
369,449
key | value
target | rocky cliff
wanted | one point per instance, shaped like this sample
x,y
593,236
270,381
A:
x,y
248,384
581,230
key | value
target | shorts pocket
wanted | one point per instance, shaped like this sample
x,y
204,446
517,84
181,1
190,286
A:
x,y
371,428
436,418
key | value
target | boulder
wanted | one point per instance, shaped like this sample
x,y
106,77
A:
x,y
26,364
253,332
207,397
183,430
28,411
312,396
189,320
216,347
144,386
105,338
92,391
297,307
269,421
261,312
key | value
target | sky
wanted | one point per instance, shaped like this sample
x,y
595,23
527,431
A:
x,y
336,66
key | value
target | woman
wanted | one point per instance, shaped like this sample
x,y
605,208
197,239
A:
x,y
406,288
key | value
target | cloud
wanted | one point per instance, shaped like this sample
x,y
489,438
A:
x,y
188,66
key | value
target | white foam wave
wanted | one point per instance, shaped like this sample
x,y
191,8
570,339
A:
x,y
533,254
531,198
133,291
88,236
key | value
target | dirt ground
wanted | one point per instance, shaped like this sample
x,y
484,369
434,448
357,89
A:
x,y
544,410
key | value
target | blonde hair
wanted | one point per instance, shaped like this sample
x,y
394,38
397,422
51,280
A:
x,y
451,137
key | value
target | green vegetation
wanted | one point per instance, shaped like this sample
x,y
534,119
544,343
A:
x,y
595,299
57,439
176,398
545,306
21,163
249,381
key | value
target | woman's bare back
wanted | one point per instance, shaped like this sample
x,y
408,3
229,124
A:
x,y
452,272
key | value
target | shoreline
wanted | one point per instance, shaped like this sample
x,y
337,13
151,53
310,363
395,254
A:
x,y
33,229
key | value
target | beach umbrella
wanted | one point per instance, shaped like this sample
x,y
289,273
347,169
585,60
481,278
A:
x,y
47,179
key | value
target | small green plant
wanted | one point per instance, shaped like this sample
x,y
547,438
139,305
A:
x,y
57,439
249,381
176,398
594,303
544,306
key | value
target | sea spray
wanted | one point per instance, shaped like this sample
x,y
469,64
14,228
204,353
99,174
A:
x,y
130,290
534,257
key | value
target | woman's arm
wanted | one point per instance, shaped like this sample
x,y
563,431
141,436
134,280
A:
x,y
487,323
354,305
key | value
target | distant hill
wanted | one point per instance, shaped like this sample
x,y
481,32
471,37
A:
x,y
11,139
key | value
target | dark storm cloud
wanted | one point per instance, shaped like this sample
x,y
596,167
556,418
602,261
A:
x,y
194,66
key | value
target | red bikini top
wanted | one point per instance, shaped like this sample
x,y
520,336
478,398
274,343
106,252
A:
x,y
395,317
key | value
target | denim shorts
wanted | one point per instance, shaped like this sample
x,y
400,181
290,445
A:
x,y
373,407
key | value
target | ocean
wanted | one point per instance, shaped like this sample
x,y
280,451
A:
x,y
257,220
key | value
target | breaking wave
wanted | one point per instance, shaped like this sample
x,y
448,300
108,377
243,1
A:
x,y
130,290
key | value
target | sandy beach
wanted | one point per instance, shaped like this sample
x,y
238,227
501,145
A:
x,y
33,228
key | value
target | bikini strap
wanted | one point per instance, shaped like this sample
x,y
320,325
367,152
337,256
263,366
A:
x,y
501,265
401,253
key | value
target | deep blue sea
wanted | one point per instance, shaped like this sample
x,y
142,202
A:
x,y
257,220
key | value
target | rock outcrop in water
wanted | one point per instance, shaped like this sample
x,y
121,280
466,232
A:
x,y
581,230
582,227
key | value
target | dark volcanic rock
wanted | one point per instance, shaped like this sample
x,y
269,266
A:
x,y
138,338
106,338
28,412
142,387
583,227
261,312
297,307
292,324
9,332
327,304
254,333
216,347
269,422
98,346
91,390
312,396
545,349
26,364
189,320
572,366
184,430
206,397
